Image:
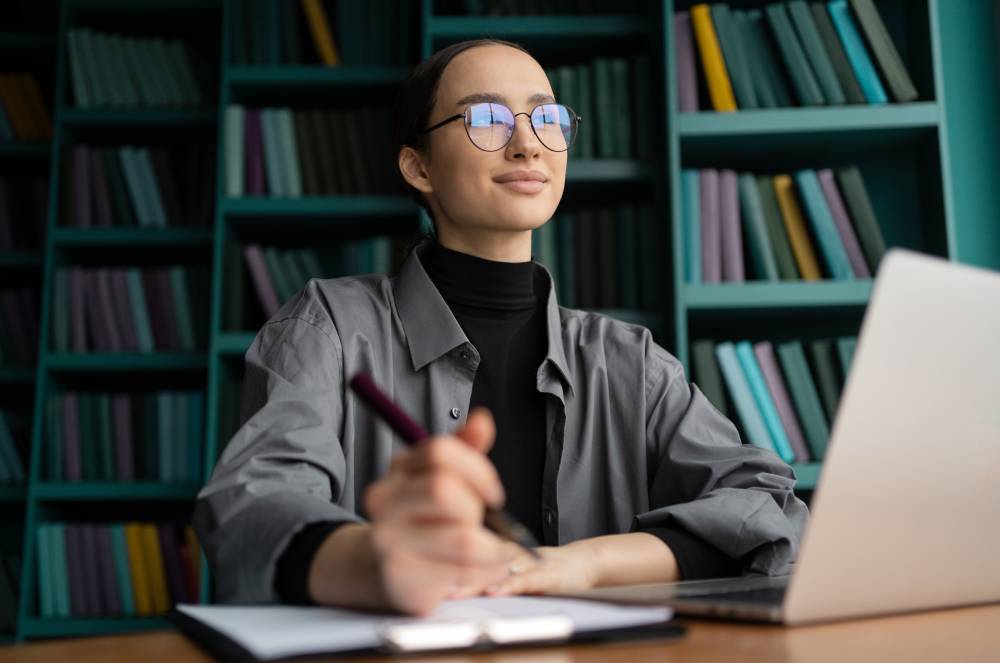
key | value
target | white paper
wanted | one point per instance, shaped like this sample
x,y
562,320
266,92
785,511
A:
x,y
277,631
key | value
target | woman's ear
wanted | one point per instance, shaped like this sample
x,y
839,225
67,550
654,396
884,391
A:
x,y
411,166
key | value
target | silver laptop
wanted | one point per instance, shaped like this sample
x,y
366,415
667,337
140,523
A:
x,y
906,513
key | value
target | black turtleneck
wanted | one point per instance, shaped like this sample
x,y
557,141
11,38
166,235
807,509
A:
x,y
501,308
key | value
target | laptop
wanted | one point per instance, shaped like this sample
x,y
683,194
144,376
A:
x,y
906,511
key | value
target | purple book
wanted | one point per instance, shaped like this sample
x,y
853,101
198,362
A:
x,y
102,199
81,186
106,566
262,281
72,468
106,309
122,413
75,572
87,551
154,305
731,228
77,306
711,235
172,563
687,73
764,352
253,153
843,223
123,309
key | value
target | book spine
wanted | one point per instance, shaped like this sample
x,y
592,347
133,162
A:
x,y
687,76
857,53
711,235
720,88
731,230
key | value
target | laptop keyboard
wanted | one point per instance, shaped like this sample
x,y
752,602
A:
x,y
766,595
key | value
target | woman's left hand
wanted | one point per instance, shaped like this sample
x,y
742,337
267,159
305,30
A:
x,y
561,569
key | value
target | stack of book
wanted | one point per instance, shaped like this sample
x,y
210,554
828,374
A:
x,y
787,53
361,33
112,70
117,309
24,114
613,96
23,202
138,186
10,582
115,569
813,225
782,403
280,152
11,445
602,257
118,436
19,332
278,274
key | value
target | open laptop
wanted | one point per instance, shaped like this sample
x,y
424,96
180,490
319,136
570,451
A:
x,y
906,513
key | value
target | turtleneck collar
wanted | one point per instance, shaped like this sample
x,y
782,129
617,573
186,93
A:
x,y
469,280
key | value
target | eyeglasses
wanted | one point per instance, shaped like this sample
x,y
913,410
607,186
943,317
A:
x,y
490,126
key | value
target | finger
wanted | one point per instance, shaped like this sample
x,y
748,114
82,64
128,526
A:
x,y
440,498
468,546
448,453
479,430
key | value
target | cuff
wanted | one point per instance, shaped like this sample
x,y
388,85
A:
x,y
291,577
696,560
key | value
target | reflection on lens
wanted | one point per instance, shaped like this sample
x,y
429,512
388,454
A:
x,y
491,125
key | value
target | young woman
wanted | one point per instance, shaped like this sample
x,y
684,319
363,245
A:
x,y
579,425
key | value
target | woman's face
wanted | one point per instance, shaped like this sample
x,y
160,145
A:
x,y
459,178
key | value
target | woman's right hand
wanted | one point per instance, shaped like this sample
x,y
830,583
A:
x,y
426,519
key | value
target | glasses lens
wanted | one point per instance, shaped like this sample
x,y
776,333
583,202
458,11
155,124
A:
x,y
555,125
489,125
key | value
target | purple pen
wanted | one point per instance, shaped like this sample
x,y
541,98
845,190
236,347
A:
x,y
495,520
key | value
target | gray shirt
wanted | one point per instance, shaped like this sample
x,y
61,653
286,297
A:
x,y
630,443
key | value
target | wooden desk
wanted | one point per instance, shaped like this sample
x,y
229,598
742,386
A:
x,y
961,635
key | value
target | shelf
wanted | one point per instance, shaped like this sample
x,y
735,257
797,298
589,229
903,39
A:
x,y
807,474
38,627
115,490
234,343
17,374
608,170
573,27
318,206
278,78
25,151
151,117
770,295
145,237
20,260
127,361
12,492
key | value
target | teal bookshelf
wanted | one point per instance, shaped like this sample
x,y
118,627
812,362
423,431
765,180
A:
x,y
903,151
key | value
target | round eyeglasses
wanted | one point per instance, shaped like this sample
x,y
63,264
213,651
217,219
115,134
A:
x,y
490,126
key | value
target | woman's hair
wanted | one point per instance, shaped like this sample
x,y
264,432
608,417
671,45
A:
x,y
415,102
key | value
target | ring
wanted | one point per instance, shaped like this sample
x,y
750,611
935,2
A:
x,y
513,568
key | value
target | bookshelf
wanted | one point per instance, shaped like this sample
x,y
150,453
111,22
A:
x,y
902,149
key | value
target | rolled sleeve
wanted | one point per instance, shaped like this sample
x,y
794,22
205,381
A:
x,y
284,468
737,498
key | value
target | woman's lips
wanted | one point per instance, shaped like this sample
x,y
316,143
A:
x,y
523,186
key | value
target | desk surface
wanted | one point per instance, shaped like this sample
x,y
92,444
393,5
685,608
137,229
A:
x,y
954,636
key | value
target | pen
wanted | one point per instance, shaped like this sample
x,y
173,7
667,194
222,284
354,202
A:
x,y
496,520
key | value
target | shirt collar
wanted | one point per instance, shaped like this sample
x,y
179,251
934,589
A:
x,y
432,330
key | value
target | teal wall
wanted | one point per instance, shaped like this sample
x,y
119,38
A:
x,y
970,70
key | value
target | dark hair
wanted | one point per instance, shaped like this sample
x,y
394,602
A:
x,y
415,102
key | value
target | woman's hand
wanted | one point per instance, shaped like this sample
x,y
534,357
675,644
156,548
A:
x,y
561,569
426,518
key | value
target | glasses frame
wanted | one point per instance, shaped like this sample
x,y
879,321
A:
x,y
579,119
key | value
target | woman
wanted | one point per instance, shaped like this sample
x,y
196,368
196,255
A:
x,y
579,425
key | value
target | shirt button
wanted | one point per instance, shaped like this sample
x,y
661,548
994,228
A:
x,y
455,413
549,516
466,355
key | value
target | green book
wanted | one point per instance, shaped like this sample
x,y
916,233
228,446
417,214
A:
x,y
756,64
845,353
588,109
234,143
707,375
105,442
643,132
604,99
289,152
859,205
46,590
623,103
123,576
812,44
196,434
121,208
803,391
308,152
736,58
776,230
312,265
838,58
296,277
90,446
140,314
884,51
165,434
182,307
765,266
53,428
60,311
804,81
276,270
181,440
825,366
60,570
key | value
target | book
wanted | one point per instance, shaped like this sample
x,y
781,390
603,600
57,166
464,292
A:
x,y
804,81
787,271
760,248
857,52
719,86
886,55
765,405
730,228
711,235
827,381
754,428
768,362
795,369
843,223
687,76
862,214
691,212
319,29
736,57
823,227
798,236
708,375
812,44
838,58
